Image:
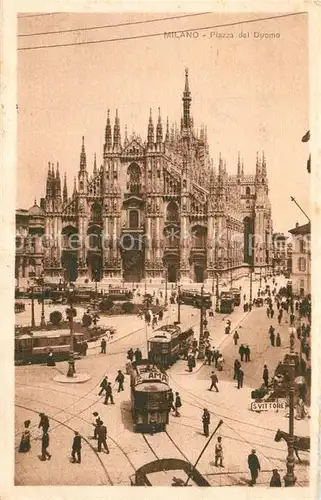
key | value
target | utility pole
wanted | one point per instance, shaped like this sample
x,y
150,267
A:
x,y
42,319
251,284
217,294
71,361
33,323
166,277
179,304
289,478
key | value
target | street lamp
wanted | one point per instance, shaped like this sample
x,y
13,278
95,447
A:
x,y
202,314
42,319
289,478
71,361
251,283
217,294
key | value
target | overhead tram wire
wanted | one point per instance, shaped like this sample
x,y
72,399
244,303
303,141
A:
x,y
151,35
119,25
41,15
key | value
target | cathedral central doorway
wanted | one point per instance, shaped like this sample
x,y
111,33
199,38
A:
x,y
133,266
172,272
95,266
198,273
70,265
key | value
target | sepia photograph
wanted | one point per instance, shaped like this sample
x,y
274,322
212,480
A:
x,y
163,249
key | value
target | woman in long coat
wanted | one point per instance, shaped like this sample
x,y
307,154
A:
x,y
25,438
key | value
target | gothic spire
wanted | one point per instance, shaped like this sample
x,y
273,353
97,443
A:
x,y
126,137
108,136
48,183
58,182
83,160
242,168
75,185
238,164
117,132
150,131
186,103
159,129
264,173
65,191
95,165
258,164
167,132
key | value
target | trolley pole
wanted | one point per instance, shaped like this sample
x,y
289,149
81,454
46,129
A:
x,y
179,304
200,456
33,323
42,319
217,306
202,314
251,283
289,478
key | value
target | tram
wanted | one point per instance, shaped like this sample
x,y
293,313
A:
x,y
195,298
119,294
168,343
19,307
236,296
226,303
151,397
35,347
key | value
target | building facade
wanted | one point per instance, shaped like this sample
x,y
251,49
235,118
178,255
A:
x,y
155,206
282,252
301,259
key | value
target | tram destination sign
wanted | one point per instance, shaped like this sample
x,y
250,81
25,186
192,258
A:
x,y
268,406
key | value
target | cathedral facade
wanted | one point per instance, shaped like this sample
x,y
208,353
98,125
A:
x,y
154,207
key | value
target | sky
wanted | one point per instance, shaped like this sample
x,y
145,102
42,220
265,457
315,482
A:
x,y
252,93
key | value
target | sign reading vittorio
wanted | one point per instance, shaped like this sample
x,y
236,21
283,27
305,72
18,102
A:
x,y
131,215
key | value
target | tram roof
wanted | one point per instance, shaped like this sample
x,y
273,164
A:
x,y
54,333
150,386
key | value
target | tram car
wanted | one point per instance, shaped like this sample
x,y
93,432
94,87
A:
x,y
151,397
236,296
226,303
168,344
195,298
19,307
35,347
119,294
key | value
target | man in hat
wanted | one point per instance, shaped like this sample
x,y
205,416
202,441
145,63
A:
x,y
96,423
120,379
254,466
44,422
76,448
206,421
103,385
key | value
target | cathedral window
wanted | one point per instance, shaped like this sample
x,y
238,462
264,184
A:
x,y
115,175
133,219
133,177
248,191
172,212
96,212
158,174
302,264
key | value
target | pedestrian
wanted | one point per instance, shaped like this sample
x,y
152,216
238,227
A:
x,y
44,446
130,354
268,312
279,317
84,348
138,355
109,394
240,378
154,322
206,418
272,313
190,362
120,379
265,376
220,363
275,479
278,340
178,404
292,318
96,421
44,422
76,448
237,366
272,338
236,337
219,452
103,344
254,466
171,401
214,382
247,353
216,354
208,355
103,385
25,446
102,436
241,351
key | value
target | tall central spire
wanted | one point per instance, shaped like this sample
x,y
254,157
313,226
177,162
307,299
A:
x,y
186,103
